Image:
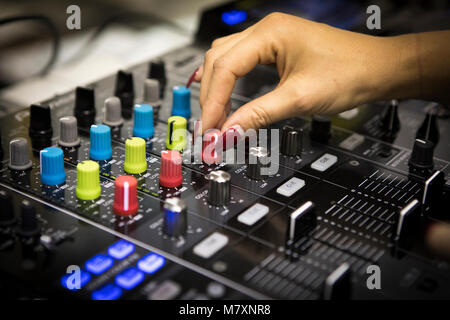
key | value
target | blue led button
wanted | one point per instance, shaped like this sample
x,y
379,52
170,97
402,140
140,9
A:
x,y
121,249
107,292
99,264
233,17
129,278
151,263
68,281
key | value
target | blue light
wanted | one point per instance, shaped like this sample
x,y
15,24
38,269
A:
x,y
99,264
233,17
84,279
129,278
108,292
121,249
151,263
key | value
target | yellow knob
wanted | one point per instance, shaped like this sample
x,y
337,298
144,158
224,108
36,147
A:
x,y
88,180
135,156
176,133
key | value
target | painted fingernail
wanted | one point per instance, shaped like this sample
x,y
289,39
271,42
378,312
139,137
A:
x,y
232,136
191,78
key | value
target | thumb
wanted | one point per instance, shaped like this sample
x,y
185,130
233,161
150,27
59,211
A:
x,y
274,106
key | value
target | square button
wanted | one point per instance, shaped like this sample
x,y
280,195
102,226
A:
x,y
121,249
68,281
108,292
151,263
99,264
129,278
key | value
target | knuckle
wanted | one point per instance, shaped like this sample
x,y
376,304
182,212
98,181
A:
x,y
220,63
209,55
274,17
260,117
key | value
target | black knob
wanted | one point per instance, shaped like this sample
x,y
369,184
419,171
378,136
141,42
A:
x,y
40,122
429,129
125,92
29,225
85,107
258,160
422,155
390,122
320,129
291,141
7,210
157,70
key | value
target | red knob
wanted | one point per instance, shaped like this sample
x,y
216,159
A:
x,y
211,152
125,196
170,175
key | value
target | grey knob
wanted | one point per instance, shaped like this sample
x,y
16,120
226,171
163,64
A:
x,y
19,156
113,112
291,141
68,132
219,188
175,217
151,92
258,159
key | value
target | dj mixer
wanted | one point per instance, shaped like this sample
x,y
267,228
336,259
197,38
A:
x,y
100,199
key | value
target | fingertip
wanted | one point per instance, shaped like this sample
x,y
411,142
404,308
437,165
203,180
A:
x,y
198,74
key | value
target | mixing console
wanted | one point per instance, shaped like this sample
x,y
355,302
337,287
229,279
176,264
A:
x,y
100,180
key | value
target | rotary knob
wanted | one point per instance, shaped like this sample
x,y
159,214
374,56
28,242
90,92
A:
x,y
429,130
19,155
88,180
100,137
258,159
219,188
211,153
68,132
291,141
175,217
52,166
176,133
152,95
320,129
113,112
125,92
85,107
390,122
29,225
135,156
143,121
125,196
181,103
7,213
40,122
157,70
170,175
422,156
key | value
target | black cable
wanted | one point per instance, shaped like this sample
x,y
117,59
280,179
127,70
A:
x,y
53,30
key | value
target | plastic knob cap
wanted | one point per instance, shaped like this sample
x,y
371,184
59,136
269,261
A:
x,y
113,112
320,129
422,155
135,156
29,225
175,217
125,196
170,175
19,156
88,180
40,121
143,121
52,166
68,132
85,106
219,188
291,141
176,133
100,148
181,103
258,159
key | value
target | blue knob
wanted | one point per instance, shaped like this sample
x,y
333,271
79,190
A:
x,y
52,166
181,103
143,121
100,142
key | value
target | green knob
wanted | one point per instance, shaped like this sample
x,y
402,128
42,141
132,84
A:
x,y
88,180
135,156
176,133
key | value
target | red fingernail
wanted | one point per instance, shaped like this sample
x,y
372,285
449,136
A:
x,y
191,78
232,136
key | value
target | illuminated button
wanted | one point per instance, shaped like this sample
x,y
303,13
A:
x,y
290,187
151,263
212,244
121,249
324,162
99,264
68,281
129,278
167,290
253,214
108,292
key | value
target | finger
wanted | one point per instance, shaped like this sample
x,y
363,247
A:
x,y
198,74
210,56
438,239
272,107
